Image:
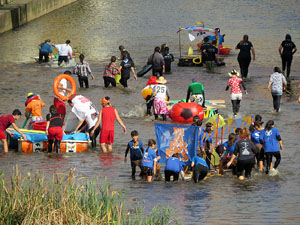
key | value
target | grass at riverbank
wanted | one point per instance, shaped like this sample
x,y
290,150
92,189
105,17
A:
x,y
69,200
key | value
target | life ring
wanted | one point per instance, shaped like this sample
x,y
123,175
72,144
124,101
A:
x,y
56,83
184,112
197,62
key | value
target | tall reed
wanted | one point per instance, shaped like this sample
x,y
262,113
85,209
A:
x,y
66,199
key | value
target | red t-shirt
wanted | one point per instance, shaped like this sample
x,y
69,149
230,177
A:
x,y
108,118
235,84
6,121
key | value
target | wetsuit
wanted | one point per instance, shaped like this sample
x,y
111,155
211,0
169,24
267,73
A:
x,y
169,58
203,47
125,72
55,131
287,55
244,57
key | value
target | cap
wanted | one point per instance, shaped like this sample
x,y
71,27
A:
x,y
30,94
194,80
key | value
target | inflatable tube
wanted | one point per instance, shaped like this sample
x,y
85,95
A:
x,y
145,70
184,112
33,97
146,92
56,83
195,60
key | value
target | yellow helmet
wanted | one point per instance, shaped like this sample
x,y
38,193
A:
x,y
30,94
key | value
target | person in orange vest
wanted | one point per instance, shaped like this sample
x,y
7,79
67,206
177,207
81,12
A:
x,y
34,106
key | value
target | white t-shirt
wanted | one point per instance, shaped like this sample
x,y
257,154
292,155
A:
x,y
160,91
64,50
91,119
64,84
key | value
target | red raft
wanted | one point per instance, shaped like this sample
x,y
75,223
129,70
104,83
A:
x,y
184,112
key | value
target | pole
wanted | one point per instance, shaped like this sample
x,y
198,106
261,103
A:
x,y
217,131
179,44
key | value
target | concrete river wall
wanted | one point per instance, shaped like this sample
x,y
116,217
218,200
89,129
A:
x,y
15,13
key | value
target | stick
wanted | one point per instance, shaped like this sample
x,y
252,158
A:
x,y
25,122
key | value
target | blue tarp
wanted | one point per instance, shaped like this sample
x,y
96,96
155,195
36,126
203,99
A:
x,y
182,139
36,137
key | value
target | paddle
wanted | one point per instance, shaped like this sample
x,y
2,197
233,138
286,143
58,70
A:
x,y
25,122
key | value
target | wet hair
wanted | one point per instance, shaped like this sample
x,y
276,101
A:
x,y
68,72
81,57
176,155
121,47
258,123
156,49
238,131
251,128
214,42
68,41
17,112
197,123
124,55
231,139
134,133
208,127
206,39
244,133
269,125
288,37
52,109
258,118
47,40
277,69
151,142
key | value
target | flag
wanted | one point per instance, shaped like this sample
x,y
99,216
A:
x,y
182,139
191,37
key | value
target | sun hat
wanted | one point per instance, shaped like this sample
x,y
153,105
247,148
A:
x,y
105,100
161,80
30,94
234,73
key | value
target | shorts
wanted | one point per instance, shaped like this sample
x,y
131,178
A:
x,y
2,135
60,106
236,96
198,98
55,133
147,171
107,136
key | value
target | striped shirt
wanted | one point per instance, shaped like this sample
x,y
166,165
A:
x,y
111,71
82,69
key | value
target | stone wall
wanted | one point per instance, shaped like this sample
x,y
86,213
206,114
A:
x,y
15,13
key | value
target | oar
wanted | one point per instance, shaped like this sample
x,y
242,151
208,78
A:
x,y
25,122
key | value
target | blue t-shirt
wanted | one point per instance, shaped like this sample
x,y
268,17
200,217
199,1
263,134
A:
x,y
270,139
214,37
198,160
45,47
230,149
255,136
135,151
174,164
148,158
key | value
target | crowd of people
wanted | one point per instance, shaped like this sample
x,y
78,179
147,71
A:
x,y
243,148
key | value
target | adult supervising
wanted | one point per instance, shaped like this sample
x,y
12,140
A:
x,y
244,57
195,92
286,50
157,61
63,51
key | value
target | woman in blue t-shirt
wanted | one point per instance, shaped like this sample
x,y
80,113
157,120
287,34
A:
x,y
173,168
149,161
255,130
271,140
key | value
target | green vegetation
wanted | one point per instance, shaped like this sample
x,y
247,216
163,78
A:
x,y
67,199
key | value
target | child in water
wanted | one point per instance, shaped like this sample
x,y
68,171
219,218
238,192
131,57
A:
x,y
110,73
136,152
149,161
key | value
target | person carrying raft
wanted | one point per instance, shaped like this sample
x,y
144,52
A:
x,y
54,129
195,93
44,50
5,122
160,93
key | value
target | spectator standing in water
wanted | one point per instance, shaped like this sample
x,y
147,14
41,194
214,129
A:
x,y
124,51
235,84
110,73
82,70
277,84
125,67
169,58
244,57
45,49
63,51
107,115
157,61
286,50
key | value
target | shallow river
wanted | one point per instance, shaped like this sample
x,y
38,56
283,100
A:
x,y
97,28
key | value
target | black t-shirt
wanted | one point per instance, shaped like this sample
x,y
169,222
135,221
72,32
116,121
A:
x,y
128,56
211,52
169,58
245,149
126,68
245,48
204,46
55,120
288,47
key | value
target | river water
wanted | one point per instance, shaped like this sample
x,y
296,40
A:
x,y
96,28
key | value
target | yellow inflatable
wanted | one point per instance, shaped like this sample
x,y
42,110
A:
x,y
146,92
118,78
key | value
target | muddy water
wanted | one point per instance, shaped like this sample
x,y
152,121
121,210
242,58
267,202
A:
x,y
96,28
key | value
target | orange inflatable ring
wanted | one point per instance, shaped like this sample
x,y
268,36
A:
x,y
56,83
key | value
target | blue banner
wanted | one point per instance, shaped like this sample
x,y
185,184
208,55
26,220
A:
x,y
182,139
